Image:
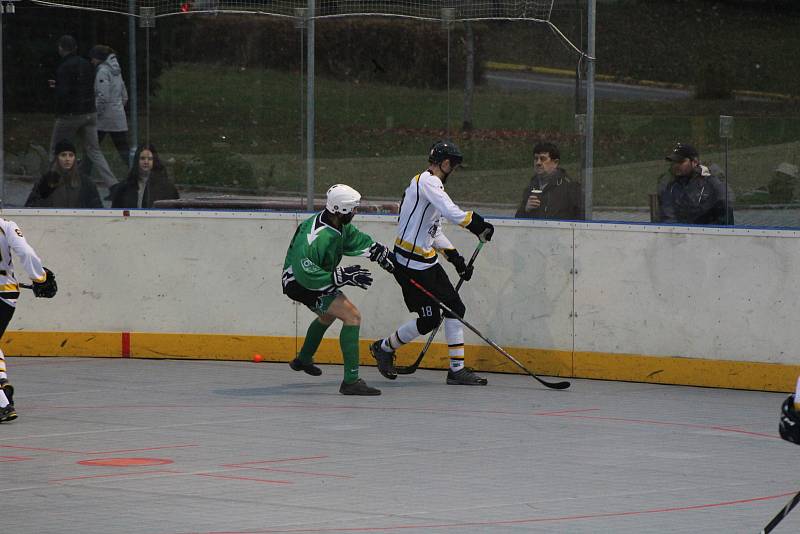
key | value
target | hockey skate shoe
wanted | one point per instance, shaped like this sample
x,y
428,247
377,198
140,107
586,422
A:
x,y
385,360
359,387
465,377
8,413
8,389
309,368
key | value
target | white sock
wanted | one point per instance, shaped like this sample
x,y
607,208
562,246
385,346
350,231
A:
x,y
454,333
405,334
3,399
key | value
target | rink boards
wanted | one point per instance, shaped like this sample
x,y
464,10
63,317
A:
x,y
695,306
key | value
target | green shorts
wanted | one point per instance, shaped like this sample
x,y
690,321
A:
x,y
316,301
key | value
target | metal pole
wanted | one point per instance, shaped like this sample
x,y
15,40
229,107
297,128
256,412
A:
x,y
726,132
310,108
588,186
2,115
448,15
133,99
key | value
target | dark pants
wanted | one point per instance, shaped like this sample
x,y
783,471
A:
x,y
120,140
6,313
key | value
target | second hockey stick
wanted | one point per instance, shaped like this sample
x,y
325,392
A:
x,y
498,348
783,513
410,369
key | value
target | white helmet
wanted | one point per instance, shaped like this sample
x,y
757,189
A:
x,y
342,199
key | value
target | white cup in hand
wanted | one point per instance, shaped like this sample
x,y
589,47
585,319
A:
x,y
533,200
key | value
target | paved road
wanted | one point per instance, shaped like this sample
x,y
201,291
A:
x,y
529,81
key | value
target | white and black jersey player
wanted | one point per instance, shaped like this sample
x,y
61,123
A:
x,y
44,285
416,247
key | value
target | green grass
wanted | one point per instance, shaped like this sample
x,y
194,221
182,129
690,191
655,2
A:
x,y
374,137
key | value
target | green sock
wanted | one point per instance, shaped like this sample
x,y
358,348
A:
x,y
348,340
313,338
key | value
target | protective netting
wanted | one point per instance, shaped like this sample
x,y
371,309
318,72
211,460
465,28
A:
x,y
539,10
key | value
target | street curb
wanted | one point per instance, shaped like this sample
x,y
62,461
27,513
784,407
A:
x,y
496,65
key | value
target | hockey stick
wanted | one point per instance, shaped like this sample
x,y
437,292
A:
x,y
442,305
410,369
783,513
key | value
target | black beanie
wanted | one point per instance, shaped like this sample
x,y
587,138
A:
x,y
64,145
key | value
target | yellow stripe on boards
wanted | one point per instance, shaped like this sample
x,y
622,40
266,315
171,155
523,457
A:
x,y
605,366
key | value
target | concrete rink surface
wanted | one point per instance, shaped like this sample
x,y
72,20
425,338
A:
x,y
107,446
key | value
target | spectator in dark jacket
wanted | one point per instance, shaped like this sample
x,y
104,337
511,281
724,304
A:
x,y
550,194
147,182
62,186
693,194
76,114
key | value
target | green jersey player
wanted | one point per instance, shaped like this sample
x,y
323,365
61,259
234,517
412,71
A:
x,y
312,276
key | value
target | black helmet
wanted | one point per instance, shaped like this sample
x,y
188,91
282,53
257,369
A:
x,y
789,427
442,150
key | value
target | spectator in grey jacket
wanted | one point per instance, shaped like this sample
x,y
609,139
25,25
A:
x,y
76,114
111,97
693,194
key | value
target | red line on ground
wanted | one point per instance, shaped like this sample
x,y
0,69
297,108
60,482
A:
x,y
126,344
295,472
14,458
143,449
249,479
510,521
669,423
125,462
562,412
299,458
137,473
42,449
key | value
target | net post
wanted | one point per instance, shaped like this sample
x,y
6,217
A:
x,y
726,133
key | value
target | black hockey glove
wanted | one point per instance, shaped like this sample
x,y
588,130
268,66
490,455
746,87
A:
x,y
48,288
480,228
463,270
353,275
380,254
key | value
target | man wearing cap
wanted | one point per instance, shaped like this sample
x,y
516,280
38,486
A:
x,y
76,113
693,195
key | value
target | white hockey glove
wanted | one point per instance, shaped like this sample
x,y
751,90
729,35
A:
x,y
353,275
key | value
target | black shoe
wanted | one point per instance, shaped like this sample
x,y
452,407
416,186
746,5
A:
x,y
465,377
8,413
385,360
309,368
8,389
359,387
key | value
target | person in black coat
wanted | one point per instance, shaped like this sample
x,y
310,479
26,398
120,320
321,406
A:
x,y
76,113
550,193
62,186
693,194
147,182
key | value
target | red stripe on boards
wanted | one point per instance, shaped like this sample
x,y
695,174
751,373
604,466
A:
x,y
126,344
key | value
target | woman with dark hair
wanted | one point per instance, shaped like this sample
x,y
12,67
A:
x,y
147,182
62,186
